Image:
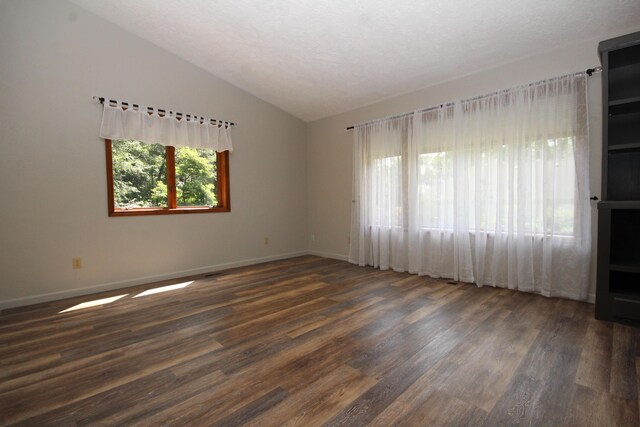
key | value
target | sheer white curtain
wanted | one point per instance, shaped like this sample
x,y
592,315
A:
x,y
379,211
493,191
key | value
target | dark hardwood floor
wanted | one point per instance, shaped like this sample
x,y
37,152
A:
x,y
311,341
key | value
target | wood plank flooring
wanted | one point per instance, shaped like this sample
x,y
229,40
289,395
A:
x,y
312,341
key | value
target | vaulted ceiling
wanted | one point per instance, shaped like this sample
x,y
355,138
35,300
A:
x,y
317,58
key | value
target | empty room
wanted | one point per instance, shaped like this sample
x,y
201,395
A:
x,y
322,212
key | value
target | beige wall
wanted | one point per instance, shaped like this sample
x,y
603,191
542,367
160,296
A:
x,y
329,147
53,58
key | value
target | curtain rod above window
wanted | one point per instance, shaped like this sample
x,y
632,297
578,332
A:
x,y
588,71
101,100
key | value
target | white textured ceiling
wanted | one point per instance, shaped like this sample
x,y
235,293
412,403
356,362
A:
x,y
316,58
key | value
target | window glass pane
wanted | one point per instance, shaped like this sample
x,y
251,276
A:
x,y
196,177
564,164
498,182
435,190
139,175
387,195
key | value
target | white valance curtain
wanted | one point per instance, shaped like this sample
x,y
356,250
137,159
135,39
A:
x,y
167,129
492,190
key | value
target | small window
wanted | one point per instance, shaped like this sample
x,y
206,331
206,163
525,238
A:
x,y
151,179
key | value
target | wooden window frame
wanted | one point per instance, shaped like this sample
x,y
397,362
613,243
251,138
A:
x,y
224,205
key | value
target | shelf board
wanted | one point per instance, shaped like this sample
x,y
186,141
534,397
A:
x,y
620,147
619,204
626,266
624,101
626,294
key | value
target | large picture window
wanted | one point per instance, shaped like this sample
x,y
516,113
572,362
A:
x,y
153,179
493,190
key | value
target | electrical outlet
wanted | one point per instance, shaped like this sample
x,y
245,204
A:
x,y
76,263
313,237
266,240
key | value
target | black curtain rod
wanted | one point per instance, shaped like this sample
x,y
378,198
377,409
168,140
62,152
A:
x,y
589,72
213,121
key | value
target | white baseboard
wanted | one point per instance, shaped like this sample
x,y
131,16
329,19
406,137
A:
x,y
87,290
329,255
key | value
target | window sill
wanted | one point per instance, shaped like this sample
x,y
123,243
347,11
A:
x,y
167,211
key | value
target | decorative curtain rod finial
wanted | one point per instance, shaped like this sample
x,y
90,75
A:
x,y
590,71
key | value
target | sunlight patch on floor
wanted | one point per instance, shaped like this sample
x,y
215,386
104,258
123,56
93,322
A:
x,y
164,289
101,301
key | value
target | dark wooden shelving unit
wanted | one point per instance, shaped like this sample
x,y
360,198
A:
x,y
618,287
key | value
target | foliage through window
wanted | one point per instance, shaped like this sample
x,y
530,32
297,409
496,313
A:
x,y
154,179
481,179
